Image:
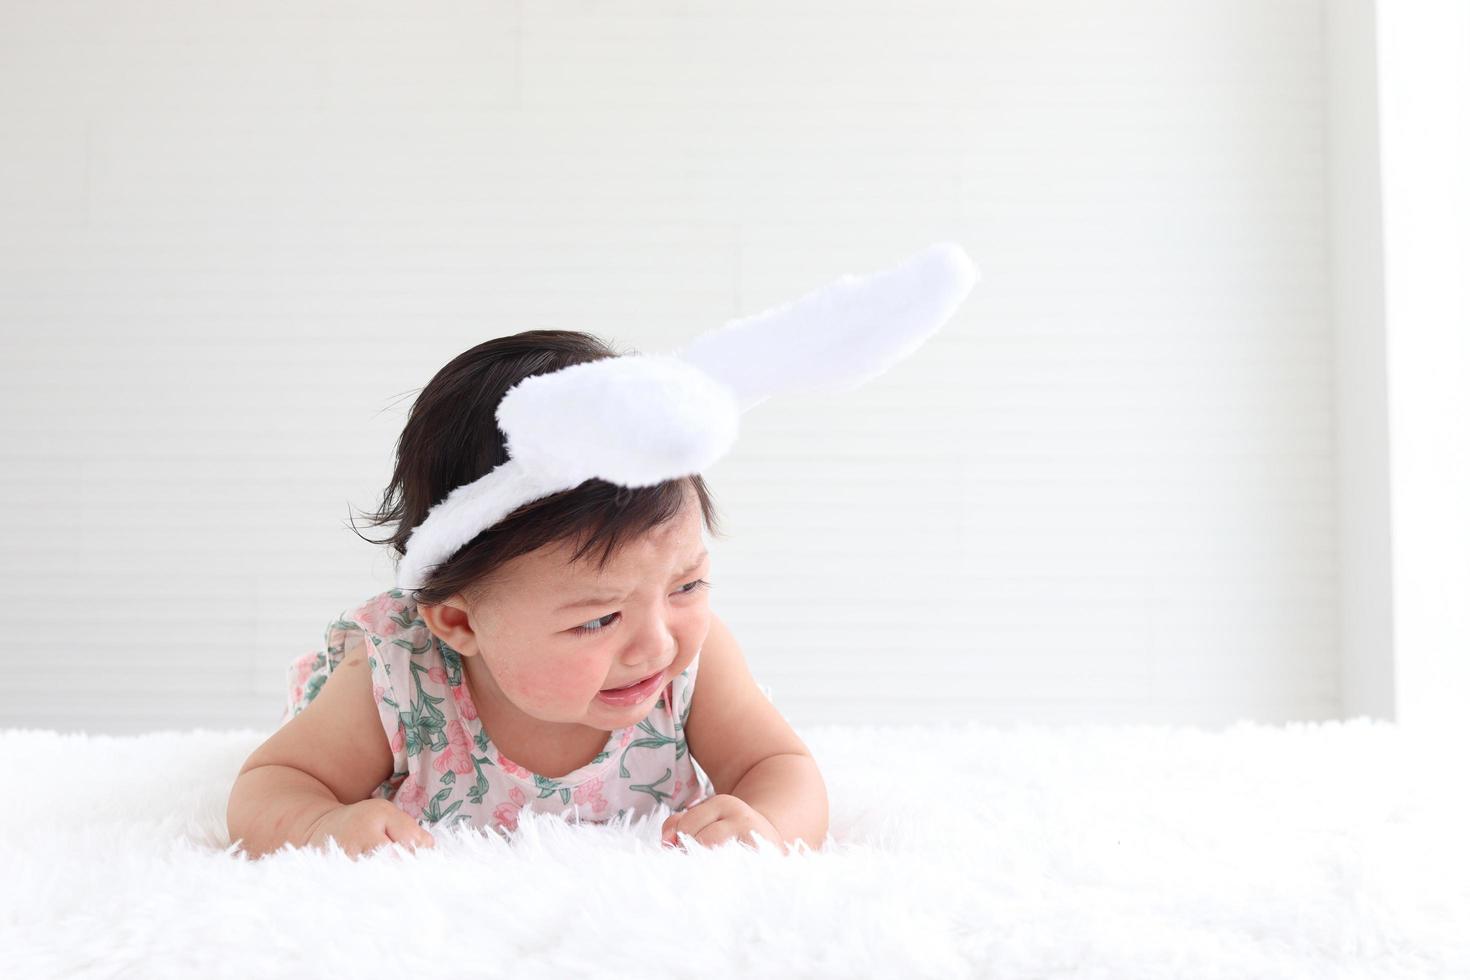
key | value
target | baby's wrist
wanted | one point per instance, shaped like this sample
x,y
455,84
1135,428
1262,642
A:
x,y
312,818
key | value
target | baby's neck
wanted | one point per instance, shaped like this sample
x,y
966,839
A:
x,y
550,749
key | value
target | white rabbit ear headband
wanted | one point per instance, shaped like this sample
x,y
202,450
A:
x,y
640,419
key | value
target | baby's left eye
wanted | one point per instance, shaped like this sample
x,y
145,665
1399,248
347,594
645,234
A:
x,y
596,625
593,627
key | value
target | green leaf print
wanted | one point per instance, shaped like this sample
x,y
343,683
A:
x,y
681,746
425,726
424,722
447,778
482,785
550,786
656,739
421,648
403,620
434,813
453,662
652,789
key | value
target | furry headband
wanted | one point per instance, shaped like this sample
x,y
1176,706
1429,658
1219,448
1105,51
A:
x,y
640,419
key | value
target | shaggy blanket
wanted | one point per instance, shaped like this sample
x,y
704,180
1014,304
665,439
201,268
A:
x,y
1309,850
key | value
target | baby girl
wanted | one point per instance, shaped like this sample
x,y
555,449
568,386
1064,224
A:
x,y
550,663
552,612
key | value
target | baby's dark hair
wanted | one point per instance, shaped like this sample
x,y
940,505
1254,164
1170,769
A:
x,y
451,438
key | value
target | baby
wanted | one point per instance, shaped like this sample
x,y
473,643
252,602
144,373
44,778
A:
x,y
550,663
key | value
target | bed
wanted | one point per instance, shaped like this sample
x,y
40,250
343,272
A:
x,y
1309,850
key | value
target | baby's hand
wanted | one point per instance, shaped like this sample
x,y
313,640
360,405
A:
x,y
716,819
366,826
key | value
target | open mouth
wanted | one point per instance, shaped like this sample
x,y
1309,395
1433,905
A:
x,y
633,693
609,690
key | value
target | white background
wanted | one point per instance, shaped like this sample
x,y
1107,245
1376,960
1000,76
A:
x,y
238,237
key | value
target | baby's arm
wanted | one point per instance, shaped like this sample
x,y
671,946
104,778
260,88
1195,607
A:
x,y
274,805
749,751
331,755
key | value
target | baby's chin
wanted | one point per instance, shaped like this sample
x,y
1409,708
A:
x,y
601,716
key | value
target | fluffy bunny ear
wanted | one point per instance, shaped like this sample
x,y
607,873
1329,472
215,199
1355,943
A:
x,y
840,336
637,420
634,420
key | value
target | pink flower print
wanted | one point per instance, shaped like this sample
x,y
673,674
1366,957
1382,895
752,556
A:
x,y
437,675
378,693
590,793
627,737
678,784
507,814
399,739
464,702
303,668
511,767
457,755
412,797
378,612
296,692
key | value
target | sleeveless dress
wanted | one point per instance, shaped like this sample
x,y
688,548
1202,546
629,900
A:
x,y
445,768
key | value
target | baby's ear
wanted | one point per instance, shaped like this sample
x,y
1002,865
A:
x,y
449,623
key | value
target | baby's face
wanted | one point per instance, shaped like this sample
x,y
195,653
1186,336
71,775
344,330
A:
x,y
550,651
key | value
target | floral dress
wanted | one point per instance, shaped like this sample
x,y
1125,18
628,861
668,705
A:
x,y
445,767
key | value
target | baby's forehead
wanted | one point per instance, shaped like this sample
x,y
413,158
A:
x,y
559,567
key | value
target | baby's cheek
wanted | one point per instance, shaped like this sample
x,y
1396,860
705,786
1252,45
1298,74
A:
x,y
553,685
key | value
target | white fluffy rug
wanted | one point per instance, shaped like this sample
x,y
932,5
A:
x,y
1336,850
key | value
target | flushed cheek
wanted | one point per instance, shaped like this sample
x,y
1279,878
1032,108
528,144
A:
x,y
555,686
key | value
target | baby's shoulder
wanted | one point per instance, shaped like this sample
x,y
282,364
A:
x,y
389,624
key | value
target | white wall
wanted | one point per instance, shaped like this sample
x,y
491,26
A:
x,y
1424,102
238,237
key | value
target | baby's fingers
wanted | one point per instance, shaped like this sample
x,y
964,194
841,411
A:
x,y
403,829
717,833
